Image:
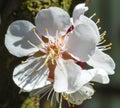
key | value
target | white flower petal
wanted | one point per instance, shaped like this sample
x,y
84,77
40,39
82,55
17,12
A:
x,y
80,9
29,76
69,77
18,33
85,92
83,19
66,76
52,19
82,42
101,76
102,60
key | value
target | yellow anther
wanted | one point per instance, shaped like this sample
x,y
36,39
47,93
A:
x,y
46,29
69,47
100,28
101,38
28,41
94,14
22,62
66,62
92,84
109,47
110,44
33,30
52,60
105,32
46,64
98,20
36,71
104,40
104,46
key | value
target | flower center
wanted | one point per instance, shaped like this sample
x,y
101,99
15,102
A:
x,y
54,49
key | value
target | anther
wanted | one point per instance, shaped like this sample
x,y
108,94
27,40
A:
x,y
22,62
93,15
46,29
99,28
105,32
92,84
98,21
102,41
69,47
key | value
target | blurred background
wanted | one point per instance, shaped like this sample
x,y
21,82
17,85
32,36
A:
x,y
106,96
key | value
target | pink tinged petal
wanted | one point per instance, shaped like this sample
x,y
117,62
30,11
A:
x,y
18,33
82,42
101,76
85,92
53,19
102,60
29,76
66,76
79,10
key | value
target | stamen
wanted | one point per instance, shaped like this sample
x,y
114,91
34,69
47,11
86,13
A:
x,y
22,62
38,36
39,68
69,104
31,43
35,46
52,98
69,47
45,93
49,94
65,96
60,105
103,41
99,28
98,21
57,97
92,84
57,32
48,35
93,15
103,34
105,47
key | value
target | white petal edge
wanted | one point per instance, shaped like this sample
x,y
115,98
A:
x,y
102,60
18,33
101,76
